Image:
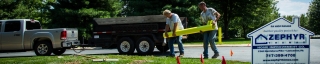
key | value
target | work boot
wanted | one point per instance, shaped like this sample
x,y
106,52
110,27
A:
x,y
206,57
181,55
215,56
164,44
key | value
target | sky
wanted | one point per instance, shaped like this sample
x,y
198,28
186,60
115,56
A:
x,y
293,7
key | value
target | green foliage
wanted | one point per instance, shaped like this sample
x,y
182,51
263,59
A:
x,y
238,17
142,7
314,16
80,13
10,9
304,21
250,15
184,8
61,13
241,17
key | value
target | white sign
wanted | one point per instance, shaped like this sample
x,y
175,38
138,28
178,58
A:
x,y
281,42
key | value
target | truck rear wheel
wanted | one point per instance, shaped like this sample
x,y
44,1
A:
x,y
162,48
145,45
43,48
59,51
125,46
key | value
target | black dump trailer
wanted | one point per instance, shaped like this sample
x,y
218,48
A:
x,y
141,33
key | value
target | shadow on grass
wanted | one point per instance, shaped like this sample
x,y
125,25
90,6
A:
x,y
155,53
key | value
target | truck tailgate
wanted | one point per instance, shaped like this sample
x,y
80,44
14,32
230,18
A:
x,y
72,33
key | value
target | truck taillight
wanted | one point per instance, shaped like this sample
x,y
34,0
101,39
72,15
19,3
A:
x,y
63,35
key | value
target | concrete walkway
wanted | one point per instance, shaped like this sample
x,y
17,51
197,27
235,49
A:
x,y
223,45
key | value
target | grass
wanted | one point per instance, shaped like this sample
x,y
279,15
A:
x,y
230,41
123,59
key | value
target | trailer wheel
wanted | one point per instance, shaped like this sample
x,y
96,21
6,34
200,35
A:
x,y
145,45
125,46
162,48
43,48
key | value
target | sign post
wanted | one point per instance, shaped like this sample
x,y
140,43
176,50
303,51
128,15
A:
x,y
281,42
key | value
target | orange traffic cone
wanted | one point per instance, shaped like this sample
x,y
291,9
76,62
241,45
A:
x,y
231,53
201,59
223,60
178,60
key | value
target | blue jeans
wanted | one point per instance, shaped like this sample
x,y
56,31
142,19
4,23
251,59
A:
x,y
209,37
173,40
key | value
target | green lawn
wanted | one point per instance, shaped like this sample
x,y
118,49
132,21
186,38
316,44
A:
x,y
230,41
123,59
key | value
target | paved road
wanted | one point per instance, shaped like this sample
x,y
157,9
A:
x,y
240,53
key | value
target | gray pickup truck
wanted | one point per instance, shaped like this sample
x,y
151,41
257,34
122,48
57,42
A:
x,y
27,34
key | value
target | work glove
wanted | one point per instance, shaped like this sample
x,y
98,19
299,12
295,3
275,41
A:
x,y
201,32
166,34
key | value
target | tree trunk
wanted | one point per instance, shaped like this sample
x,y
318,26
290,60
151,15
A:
x,y
244,31
226,20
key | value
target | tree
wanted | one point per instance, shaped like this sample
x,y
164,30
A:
x,y
304,21
314,16
80,13
143,7
238,16
288,17
184,8
12,9
245,14
255,14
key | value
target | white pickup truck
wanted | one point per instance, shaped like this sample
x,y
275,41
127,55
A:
x,y
27,34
